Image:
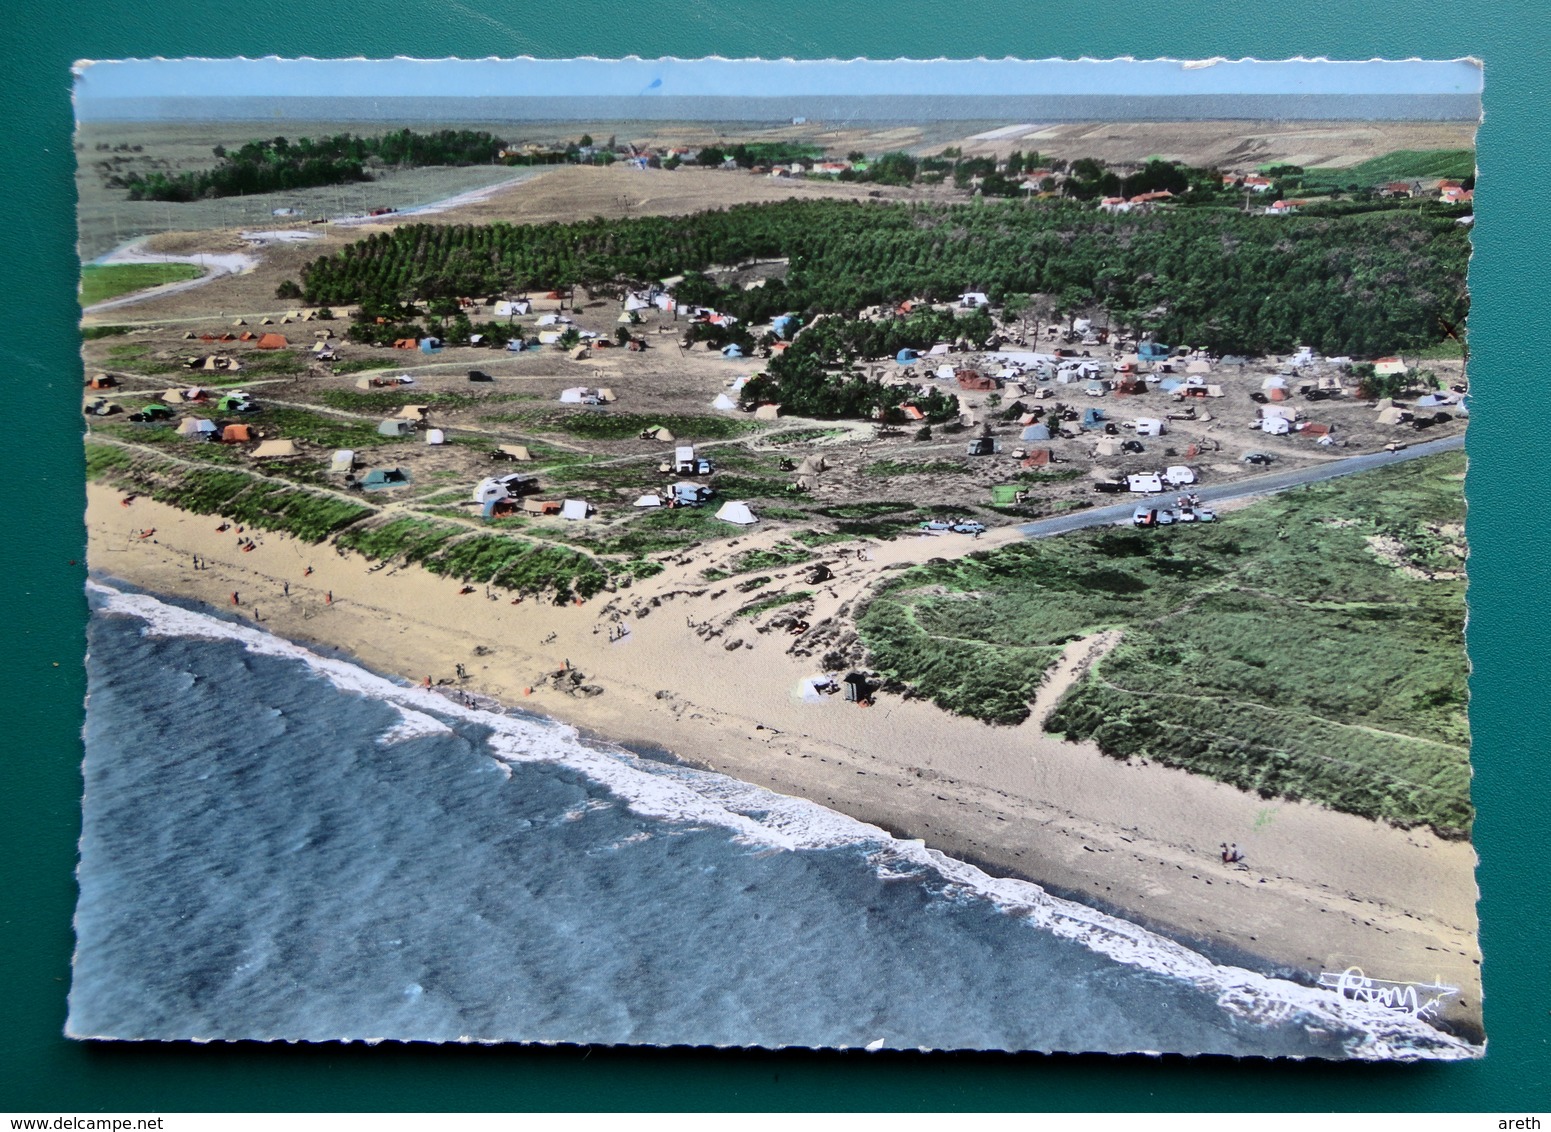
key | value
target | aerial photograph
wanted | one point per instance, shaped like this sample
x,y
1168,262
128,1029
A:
x,y
655,552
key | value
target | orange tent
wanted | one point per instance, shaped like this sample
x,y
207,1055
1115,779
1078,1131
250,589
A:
x,y
246,336
273,342
1037,458
405,343
236,434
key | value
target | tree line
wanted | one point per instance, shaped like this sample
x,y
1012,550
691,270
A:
x,y
275,164
1364,285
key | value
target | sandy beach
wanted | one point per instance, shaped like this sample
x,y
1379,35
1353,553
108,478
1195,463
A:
x,y
1317,890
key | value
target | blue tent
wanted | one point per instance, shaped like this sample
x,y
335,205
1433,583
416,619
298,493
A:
x,y
430,345
1152,351
1092,417
781,322
732,350
1036,432
1169,384
905,357
515,344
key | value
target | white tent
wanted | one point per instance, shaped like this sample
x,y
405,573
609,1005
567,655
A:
x,y
413,412
435,436
1107,446
342,460
574,509
549,320
945,372
1274,383
648,501
195,426
1198,366
572,396
736,511
939,349
1389,367
549,337
515,451
1149,426
1275,426
723,402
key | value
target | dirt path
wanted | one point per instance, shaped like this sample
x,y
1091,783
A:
x,y
214,265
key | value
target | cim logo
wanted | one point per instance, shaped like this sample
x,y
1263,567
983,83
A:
x,y
1419,1000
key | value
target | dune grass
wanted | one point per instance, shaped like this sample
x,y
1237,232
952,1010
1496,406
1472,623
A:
x,y
1282,649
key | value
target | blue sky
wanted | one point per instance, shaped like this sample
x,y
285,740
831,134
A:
x,y
161,78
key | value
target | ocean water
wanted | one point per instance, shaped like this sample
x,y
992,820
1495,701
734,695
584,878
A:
x,y
280,845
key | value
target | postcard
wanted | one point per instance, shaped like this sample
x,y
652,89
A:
x,y
914,555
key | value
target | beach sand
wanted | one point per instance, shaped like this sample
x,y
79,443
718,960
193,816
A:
x,y
1317,890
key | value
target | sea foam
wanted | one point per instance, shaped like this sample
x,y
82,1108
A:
x,y
762,818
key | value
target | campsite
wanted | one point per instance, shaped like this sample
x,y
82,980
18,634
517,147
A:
x,y
729,492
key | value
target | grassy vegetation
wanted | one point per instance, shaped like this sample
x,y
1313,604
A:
x,y
406,539
915,468
774,601
383,401
780,555
90,333
362,365
322,429
1449,350
1274,650
105,281
601,424
1401,165
238,495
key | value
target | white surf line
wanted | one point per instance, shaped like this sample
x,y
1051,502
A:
x,y
757,816
215,265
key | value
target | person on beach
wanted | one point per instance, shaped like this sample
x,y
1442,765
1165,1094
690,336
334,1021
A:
x,y
285,588
307,571
427,681
328,598
234,598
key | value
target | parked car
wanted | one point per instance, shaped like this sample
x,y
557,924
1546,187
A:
x,y
937,525
1153,517
1109,488
1132,446
1198,515
1257,458
479,375
968,527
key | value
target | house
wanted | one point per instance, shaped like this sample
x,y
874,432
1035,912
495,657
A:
x,y
1114,205
1255,183
974,299
274,450
396,427
1457,195
736,511
273,342
1400,189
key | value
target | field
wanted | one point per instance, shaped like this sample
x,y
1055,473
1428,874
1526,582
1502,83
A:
x,y
1401,165
1307,646
99,282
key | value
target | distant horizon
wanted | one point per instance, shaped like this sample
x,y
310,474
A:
x,y
776,90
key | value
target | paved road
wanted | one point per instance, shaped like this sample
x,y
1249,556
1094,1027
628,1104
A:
x,y
1239,489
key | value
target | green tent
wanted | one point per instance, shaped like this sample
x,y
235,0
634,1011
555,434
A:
x,y
1004,494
